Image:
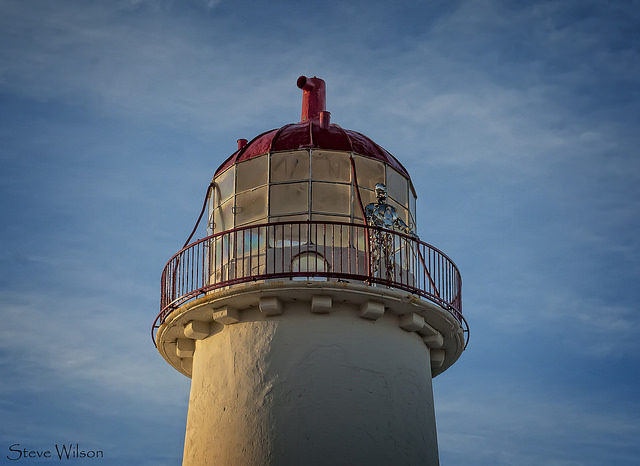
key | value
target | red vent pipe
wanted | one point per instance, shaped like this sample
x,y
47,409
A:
x,y
325,119
313,97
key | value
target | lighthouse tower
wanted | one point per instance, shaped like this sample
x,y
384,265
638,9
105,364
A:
x,y
313,318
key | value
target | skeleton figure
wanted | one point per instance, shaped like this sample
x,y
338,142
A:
x,y
381,214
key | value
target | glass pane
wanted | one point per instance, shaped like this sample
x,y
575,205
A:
x,y
222,258
287,235
224,185
344,247
412,205
251,246
290,234
403,214
290,166
251,205
210,210
397,186
330,234
252,173
223,217
330,166
369,171
290,198
309,261
252,240
331,218
331,198
367,197
253,266
289,218
403,258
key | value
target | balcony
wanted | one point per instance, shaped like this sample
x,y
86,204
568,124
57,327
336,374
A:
x,y
311,250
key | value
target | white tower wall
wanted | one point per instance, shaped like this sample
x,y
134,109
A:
x,y
305,388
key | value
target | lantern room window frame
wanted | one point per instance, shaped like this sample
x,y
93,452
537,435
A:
x,y
240,185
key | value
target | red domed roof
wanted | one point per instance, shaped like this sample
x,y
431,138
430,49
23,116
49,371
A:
x,y
309,134
313,132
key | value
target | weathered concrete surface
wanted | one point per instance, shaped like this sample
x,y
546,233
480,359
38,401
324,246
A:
x,y
272,296
302,388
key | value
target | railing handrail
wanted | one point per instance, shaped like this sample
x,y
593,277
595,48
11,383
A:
x,y
176,293
314,222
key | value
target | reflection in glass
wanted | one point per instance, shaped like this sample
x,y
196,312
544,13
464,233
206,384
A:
x,y
251,247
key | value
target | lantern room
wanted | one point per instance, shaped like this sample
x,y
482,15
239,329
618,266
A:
x,y
307,171
299,203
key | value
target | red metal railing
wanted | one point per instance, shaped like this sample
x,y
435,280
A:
x,y
311,250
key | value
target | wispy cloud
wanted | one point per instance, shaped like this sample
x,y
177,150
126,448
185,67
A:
x,y
517,426
517,121
129,67
480,114
85,341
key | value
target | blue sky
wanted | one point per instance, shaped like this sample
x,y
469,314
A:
x,y
518,121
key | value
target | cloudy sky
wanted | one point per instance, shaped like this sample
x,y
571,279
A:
x,y
518,121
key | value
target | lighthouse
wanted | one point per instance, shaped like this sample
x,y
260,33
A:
x,y
312,317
